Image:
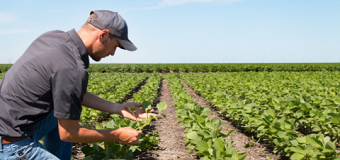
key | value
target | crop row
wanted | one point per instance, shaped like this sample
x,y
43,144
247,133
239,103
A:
x,y
116,150
274,106
313,103
96,78
105,83
149,91
202,135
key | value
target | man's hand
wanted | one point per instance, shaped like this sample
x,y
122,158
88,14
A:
x,y
139,113
128,136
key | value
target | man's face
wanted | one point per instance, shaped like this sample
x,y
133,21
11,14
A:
x,y
105,47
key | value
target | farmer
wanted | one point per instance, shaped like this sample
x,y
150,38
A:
x,y
42,94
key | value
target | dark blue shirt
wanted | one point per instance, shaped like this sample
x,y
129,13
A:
x,y
50,75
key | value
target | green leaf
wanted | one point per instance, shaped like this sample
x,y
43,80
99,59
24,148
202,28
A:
x,y
189,106
146,106
330,146
297,156
110,124
335,118
302,140
270,112
164,116
281,134
314,142
200,119
211,152
298,149
86,149
216,122
95,147
219,144
202,145
217,153
99,126
210,125
294,142
192,135
161,106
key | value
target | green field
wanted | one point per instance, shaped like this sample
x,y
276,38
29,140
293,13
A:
x,y
206,67
295,113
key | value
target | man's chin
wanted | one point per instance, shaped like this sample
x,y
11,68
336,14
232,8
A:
x,y
97,59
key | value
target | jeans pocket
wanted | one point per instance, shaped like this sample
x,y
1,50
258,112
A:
x,y
23,149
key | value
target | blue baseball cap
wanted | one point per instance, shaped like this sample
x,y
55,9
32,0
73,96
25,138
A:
x,y
112,21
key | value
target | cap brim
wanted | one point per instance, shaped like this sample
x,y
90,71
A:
x,y
127,44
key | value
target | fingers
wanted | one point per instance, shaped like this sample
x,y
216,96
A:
x,y
138,137
151,110
136,142
139,134
138,104
129,136
152,114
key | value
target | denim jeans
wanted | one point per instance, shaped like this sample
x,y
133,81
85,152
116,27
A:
x,y
31,149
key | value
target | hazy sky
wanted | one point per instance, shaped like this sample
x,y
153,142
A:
x,y
189,31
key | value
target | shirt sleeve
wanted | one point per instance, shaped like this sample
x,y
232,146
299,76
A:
x,y
68,89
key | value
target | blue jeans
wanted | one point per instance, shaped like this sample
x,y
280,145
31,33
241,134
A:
x,y
31,149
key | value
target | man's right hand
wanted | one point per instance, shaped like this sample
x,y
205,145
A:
x,y
128,135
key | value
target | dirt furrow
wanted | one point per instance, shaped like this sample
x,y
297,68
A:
x,y
171,145
256,152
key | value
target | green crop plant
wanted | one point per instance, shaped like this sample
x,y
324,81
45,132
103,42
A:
x,y
202,135
276,107
116,150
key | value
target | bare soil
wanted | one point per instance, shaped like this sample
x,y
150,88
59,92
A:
x,y
171,145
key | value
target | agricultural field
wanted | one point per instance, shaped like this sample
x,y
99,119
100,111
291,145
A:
x,y
220,115
205,67
280,115
217,67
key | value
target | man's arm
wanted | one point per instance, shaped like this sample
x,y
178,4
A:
x,y
72,131
92,101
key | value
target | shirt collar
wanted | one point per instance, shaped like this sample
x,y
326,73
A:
x,y
81,47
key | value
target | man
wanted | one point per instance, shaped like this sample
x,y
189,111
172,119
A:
x,y
41,96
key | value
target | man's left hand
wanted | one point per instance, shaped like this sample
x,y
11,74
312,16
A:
x,y
139,113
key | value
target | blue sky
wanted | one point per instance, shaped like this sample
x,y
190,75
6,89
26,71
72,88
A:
x,y
189,31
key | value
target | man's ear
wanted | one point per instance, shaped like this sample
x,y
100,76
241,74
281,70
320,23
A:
x,y
103,34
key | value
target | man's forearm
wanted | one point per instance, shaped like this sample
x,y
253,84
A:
x,y
88,135
92,101
71,131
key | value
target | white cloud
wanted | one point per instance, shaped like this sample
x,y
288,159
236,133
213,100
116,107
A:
x,y
7,17
14,31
